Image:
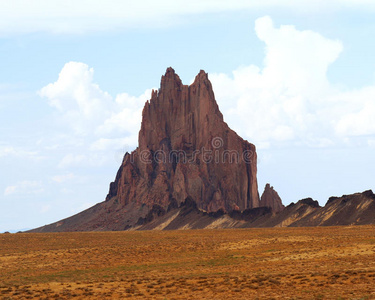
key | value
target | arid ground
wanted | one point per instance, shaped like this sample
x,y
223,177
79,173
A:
x,y
277,263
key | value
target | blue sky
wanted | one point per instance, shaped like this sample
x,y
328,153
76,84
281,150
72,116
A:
x,y
296,78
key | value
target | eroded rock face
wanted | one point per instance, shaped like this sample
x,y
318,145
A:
x,y
187,150
270,198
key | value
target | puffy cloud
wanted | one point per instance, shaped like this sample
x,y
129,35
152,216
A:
x,y
105,121
290,98
295,59
102,127
77,96
25,188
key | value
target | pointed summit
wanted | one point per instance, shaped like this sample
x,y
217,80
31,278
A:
x,y
202,76
169,70
170,80
270,198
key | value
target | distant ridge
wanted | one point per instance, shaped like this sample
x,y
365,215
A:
x,y
355,209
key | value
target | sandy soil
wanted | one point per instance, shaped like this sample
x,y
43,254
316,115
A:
x,y
276,263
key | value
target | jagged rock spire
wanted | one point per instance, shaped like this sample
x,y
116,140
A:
x,y
187,150
270,198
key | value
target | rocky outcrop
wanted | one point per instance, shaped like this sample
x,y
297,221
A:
x,y
187,150
270,198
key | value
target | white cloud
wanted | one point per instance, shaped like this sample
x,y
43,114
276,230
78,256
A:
x,y
360,111
295,59
291,99
90,111
25,188
126,116
101,124
76,17
78,97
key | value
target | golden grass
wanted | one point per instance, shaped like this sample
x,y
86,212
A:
x,y
276,263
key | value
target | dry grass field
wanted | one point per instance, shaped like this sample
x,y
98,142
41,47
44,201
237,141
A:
x,y
276,263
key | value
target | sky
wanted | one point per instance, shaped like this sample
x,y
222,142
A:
x,y
295,78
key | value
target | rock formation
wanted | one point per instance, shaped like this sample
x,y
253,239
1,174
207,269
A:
x,y
191,170
187,150
270,198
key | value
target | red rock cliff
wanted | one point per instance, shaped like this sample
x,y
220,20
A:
x,y
186,150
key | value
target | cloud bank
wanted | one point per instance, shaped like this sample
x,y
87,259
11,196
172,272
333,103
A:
x,y
78,17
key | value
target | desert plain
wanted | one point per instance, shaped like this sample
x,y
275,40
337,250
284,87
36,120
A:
x,y
264,263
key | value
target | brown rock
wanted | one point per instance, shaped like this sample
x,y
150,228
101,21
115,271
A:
x,y
270,198
187,150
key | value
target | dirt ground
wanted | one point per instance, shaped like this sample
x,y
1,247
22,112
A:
x,y
276,263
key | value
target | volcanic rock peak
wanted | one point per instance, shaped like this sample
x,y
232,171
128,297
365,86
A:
x,y
187,120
